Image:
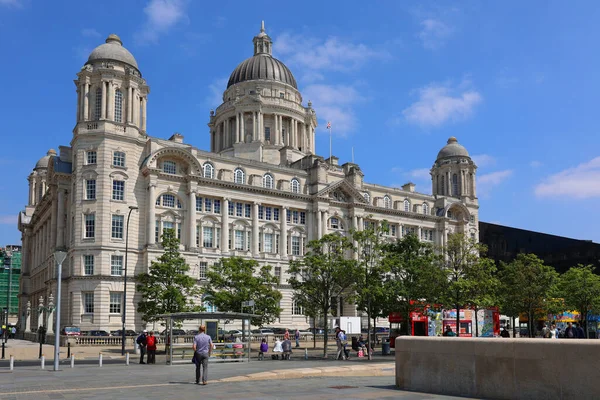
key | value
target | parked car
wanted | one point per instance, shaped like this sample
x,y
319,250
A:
x,y
176,332
304,332
234,332
262,332
128,332
99,333
278,331
71,331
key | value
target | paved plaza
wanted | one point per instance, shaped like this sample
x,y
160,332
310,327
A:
x,y
255,380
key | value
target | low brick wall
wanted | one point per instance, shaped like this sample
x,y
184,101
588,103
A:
x,y
498,368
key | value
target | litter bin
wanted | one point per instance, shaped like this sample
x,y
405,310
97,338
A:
x,y
385,347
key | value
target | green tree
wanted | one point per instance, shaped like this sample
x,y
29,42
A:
x,y
482,285
580,289
417,277
322,275
166,287
462,259
370,295
234,280
508,297
531,286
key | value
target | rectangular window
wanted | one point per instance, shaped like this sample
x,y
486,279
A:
x,y
118,192
239,240
296,309
268,213
472,219
88,265
198,203
393,230
202,267
268,243
90,157
295,245
90,189
217,206
156,232
207,233
239,209
88,302
295,217
276,243
117,226
431,235
288,215
247,210
178,231
169,167
267,133
278,274
276,214
231,208
208,205
119,159
116,298
168,200
166,225
261,212
116,265
302,217
198,236
90,226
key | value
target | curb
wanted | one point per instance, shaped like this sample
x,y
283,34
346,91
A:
x,y
387,369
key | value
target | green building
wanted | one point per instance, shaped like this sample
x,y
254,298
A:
x,y
6,264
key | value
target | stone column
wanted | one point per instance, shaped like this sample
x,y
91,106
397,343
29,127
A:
x,y
324,222
201,235
60,219
129,104
103,111
79,102
50,318
304,139
255,248
254,133
319,225
237,128
86,103
225,226
261,127
449,185
361,223
192,219
151,222
419,232
275,137
354,242
28,317
242,128
227,135
144,101
110,109
283,233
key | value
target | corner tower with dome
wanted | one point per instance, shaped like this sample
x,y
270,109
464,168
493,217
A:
x,y
260,192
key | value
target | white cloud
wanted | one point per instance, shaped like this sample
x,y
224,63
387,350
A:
x,y
580,182
8,219
334,103
434,33
439,104
535,164
483,160
332,54
161,16
11,3
486,182
215,90
90,32
419,176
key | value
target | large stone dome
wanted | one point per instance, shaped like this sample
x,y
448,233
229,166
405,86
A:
x,y
112,50
43,162
262,67
453,149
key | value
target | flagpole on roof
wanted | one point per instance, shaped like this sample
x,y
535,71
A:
x,y
329,128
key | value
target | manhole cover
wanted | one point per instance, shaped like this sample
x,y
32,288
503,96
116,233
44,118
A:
x,y
343,387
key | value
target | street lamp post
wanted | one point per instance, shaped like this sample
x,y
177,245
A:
x,y
123,317
7,257
59,257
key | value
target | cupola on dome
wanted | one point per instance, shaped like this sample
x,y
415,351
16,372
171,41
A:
x,y
453,149
112,50
262,66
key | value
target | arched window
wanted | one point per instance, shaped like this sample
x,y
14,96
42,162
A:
x,y
387,202
208,170
268,181
118,106
367,197
425,209
455,185
335,223
406,205
295,185
98,104
238,176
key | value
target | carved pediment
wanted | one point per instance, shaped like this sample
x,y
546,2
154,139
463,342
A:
x,y
342,191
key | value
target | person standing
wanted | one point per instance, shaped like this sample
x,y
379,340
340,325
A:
x,y
151,347
141,342
297,337
449,332
286,335
570,332
202,350
13,331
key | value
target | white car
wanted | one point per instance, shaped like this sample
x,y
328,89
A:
x,y
262,332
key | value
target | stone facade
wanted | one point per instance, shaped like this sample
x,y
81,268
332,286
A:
x,y
260,192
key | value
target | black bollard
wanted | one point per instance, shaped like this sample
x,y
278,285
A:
x,y
40,356
68,349
3,350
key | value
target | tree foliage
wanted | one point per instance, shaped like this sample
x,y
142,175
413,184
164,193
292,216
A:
x,y
417,277
234,280
166,287
322,275
579,287
528,287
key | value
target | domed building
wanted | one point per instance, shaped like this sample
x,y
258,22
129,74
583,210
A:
x,y
260,192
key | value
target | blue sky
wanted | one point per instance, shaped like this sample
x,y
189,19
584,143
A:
x,y
516,82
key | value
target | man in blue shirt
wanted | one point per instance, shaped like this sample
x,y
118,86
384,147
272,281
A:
x,y
202,350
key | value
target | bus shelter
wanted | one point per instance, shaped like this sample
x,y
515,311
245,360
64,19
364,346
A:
x,y
179,347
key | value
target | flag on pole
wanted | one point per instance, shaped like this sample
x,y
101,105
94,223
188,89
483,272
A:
x,y
328,125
